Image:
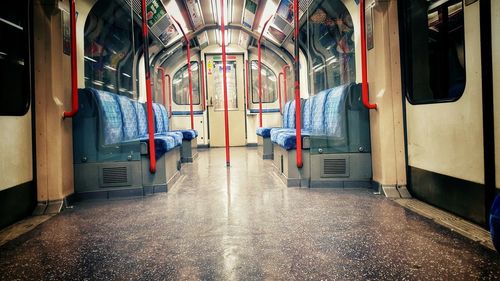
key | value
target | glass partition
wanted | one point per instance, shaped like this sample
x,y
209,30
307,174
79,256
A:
x,y
333,115
180,85
269,81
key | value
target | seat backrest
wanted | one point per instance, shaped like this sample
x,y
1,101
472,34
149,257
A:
x,y
306,115
291,115
159,122
285,114
164,115
142,120
336,112
110,118
318,112
129,118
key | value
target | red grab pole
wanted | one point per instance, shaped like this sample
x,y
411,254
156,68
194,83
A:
x,y
74,69
189,73
203,85
162,70
169,96
224,82
364,70
247,80
298,125
279,90
149,98
260,71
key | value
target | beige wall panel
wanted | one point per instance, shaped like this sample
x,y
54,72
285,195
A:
x,y
384,80
16,162
447,138
52,97
495,23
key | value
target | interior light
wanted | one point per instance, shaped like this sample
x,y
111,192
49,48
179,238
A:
x,y
126,75
109,67
269,10
174,11
89,59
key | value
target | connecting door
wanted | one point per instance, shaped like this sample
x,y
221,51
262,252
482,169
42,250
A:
x,y
235,100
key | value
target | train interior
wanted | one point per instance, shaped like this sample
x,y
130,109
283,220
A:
x,y
250,139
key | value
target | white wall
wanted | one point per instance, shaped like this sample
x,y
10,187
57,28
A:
x,y
16,162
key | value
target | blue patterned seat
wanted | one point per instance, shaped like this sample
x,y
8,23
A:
x,y
186,135
288,139
335,113
129,118
265,132
110,118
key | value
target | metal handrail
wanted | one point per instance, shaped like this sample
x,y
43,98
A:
x,y
224,82
74,67
188,56
149,98
298,127
260,70
364,67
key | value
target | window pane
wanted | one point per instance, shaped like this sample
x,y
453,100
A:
x,y
180,85
268,83
435,53
112,39
327,39
15,81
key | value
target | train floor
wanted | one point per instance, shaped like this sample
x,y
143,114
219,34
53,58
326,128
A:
x,y
242,223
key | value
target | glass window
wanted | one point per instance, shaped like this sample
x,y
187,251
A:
x,y
180,85
327,39
112,39
15,80
434,50
268,83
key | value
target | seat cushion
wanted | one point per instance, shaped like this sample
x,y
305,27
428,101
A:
x,y
187,135
288,139
163,144
306,115
177,137
159,122
276,131
318,112
264,132
142,120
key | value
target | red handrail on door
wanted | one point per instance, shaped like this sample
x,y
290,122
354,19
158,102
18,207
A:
x,y
224,82
203,85
149,98
74,68
189,72
279,90
260,70
298,125
248,87
364,70
169,96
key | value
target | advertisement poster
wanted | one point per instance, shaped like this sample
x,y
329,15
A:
x,y
285,10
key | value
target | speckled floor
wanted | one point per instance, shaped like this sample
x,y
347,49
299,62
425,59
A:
x,y
243,224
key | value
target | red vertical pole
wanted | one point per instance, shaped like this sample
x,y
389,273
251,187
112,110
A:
x,y
260,71
74,68
248,87
224,82
160,69
149,98
169,96
203,85
279,91
298,125
188,45
364,70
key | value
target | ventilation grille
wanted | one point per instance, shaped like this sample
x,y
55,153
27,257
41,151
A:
x,y
336,167
113,176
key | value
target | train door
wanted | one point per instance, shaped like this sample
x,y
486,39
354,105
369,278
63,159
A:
x,y
17,185
235,98
441,49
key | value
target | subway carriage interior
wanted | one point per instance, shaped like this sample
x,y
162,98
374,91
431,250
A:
x,y
250,139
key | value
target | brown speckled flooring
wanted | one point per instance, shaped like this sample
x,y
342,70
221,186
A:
x,y
243,224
